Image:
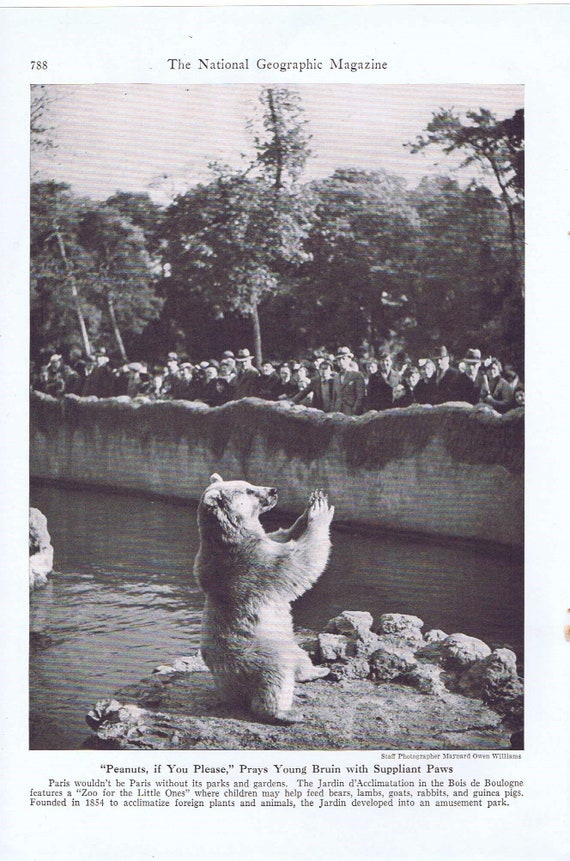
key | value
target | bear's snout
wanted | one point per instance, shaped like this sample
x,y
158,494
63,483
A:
x,y
269,497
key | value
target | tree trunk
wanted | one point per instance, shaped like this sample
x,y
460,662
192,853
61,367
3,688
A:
x,y
256,336
513,230
74,292
278,149
116,331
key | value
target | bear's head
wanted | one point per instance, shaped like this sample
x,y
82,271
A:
x,y
230,507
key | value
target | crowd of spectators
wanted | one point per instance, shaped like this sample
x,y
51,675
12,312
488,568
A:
x,y
332,382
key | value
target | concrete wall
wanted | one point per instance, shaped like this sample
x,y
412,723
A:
x,y
449,470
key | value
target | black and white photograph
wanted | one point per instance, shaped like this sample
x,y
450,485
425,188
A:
x,y
302,302
283,335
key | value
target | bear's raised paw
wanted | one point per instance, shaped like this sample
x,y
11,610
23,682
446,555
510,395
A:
x,y
319,508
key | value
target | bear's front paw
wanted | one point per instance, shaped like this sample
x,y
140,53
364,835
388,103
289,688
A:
x,y
319,508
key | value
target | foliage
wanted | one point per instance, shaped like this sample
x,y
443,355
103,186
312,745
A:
x,y
120,264
461,271
41,133
355,258
498,146
362,247
236,241
75,242
143,212
281,154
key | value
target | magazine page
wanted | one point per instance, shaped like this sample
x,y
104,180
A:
x,y
277,281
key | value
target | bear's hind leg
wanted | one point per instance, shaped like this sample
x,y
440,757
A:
x,y
306,671
273,699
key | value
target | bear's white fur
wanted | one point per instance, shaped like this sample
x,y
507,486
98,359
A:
x,y
250,578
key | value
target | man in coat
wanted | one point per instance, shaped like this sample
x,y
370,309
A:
x,y
247,375
322,388
349,387
101,380
450,383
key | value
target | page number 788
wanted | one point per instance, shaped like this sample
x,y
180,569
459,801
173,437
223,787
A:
x,y
39,64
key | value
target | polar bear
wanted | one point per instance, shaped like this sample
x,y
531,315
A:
x,y
249,578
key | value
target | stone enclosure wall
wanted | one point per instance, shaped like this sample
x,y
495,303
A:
x,y
449,471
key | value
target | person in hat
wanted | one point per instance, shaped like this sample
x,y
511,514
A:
x,y
186,388
101,380
137,378
210,393
246,376
351,363
172,377
382,381
474,370
228,366
451,384
349,387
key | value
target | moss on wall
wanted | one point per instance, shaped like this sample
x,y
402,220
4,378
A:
x,y
449,470
369,442
469,435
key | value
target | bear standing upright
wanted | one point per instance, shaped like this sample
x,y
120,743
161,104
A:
x,y
250,578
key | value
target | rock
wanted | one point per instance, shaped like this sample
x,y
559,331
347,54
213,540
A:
x,y
40,549
435,636
493,679
354,623
459,650
356,668
190,664
390,661
348,636
364,647
114,720
426,678
406,629
333,647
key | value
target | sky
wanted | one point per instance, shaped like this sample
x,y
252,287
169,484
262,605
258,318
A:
x,y
160,138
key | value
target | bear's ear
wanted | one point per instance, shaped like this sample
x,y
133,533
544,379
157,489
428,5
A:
x,y
215,478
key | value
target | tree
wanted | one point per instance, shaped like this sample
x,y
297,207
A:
x,y
58,265
237,240
234,243
462,270
143,212
498,146
89,266
281,154
362,244
40,132
121,270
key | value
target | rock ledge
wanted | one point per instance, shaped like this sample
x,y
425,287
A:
x,y
389,688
